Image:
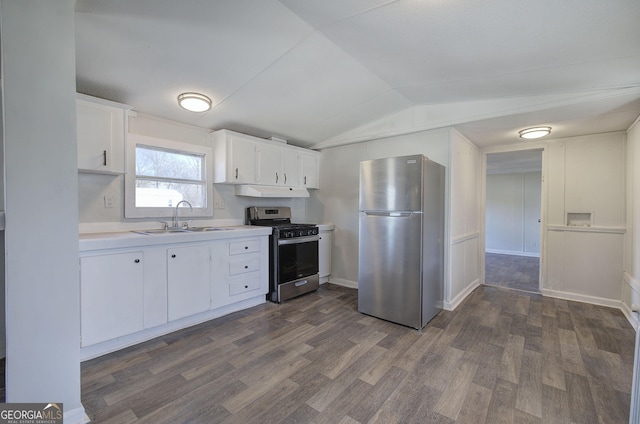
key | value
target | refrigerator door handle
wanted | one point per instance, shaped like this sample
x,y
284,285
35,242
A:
x,y
393,214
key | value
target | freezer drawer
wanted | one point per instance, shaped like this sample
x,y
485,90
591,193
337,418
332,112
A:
x,y
390,267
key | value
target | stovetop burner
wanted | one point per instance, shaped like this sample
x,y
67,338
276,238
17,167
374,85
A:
x,y
280,219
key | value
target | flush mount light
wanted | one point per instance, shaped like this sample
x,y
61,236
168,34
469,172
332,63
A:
x,y
194,102
537,132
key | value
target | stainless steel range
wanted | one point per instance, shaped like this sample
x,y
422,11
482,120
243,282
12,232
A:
x,y
293,252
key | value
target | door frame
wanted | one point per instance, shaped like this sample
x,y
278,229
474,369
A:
x,y
543,205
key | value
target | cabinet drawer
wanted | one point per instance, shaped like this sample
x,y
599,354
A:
x,y
243,286
247,246
247,265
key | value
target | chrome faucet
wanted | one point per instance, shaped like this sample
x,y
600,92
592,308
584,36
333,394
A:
x,y
175,215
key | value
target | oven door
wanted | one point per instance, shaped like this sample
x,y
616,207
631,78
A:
x,y
297,258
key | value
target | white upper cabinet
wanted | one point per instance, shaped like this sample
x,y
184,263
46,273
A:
x,y
101,130
243,159
310,171
278,165
234,157
270,165
291,167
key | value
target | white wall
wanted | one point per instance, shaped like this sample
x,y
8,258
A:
x,y
513,210
42,287
631,278
464,242
337,201
585,175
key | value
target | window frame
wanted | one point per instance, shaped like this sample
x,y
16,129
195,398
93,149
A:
x,y
130,209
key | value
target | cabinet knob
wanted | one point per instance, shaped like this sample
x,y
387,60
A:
x,y
173,256
246,247
246,287
246,267
137,261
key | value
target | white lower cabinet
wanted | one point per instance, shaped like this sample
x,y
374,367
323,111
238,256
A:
x,y
240,270
188,273
111,296
153,289
324,254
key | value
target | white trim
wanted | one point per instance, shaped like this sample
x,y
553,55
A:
x,y
130,209
76,416
109,346
454,303
634,124
343,282
634,285
606,230
465,237
611,303
513,253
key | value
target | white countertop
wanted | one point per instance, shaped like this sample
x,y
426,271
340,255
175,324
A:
x,y
127,239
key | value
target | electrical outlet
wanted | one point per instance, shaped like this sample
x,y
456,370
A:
x,y
109,201
218,203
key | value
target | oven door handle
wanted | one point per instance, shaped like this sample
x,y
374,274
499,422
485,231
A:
x,y
298,240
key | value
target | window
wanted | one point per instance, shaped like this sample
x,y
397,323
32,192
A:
x,y
161,173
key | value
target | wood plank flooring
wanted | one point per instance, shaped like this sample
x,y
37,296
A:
x,y
511,271
502,357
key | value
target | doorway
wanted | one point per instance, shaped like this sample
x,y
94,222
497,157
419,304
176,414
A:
x,y
513,219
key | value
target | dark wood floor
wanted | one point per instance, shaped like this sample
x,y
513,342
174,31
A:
x,y
511,271
503,356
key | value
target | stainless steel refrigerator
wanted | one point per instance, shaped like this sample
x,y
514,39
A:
x,y
401,241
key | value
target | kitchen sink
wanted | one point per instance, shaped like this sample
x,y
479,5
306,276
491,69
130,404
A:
x,y
200,229
162,231
180,230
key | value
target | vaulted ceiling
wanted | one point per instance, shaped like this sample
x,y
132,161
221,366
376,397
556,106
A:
x,y
323,73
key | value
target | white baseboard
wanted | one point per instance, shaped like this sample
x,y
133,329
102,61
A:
x,y
594,300
455,302
75,416
343,282
513,253
93,351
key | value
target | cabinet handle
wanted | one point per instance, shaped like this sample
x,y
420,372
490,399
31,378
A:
x,y
305,180
276,178
173,256
285,178
137,261
236,173
104,157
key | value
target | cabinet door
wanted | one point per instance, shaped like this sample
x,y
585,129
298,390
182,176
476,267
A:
x,y
324,253
241,167
270,165
188,273
111,293
101,132
310,170
291,167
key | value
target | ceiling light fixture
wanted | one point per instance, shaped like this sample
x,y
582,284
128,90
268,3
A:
x,y
194,102
537,132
